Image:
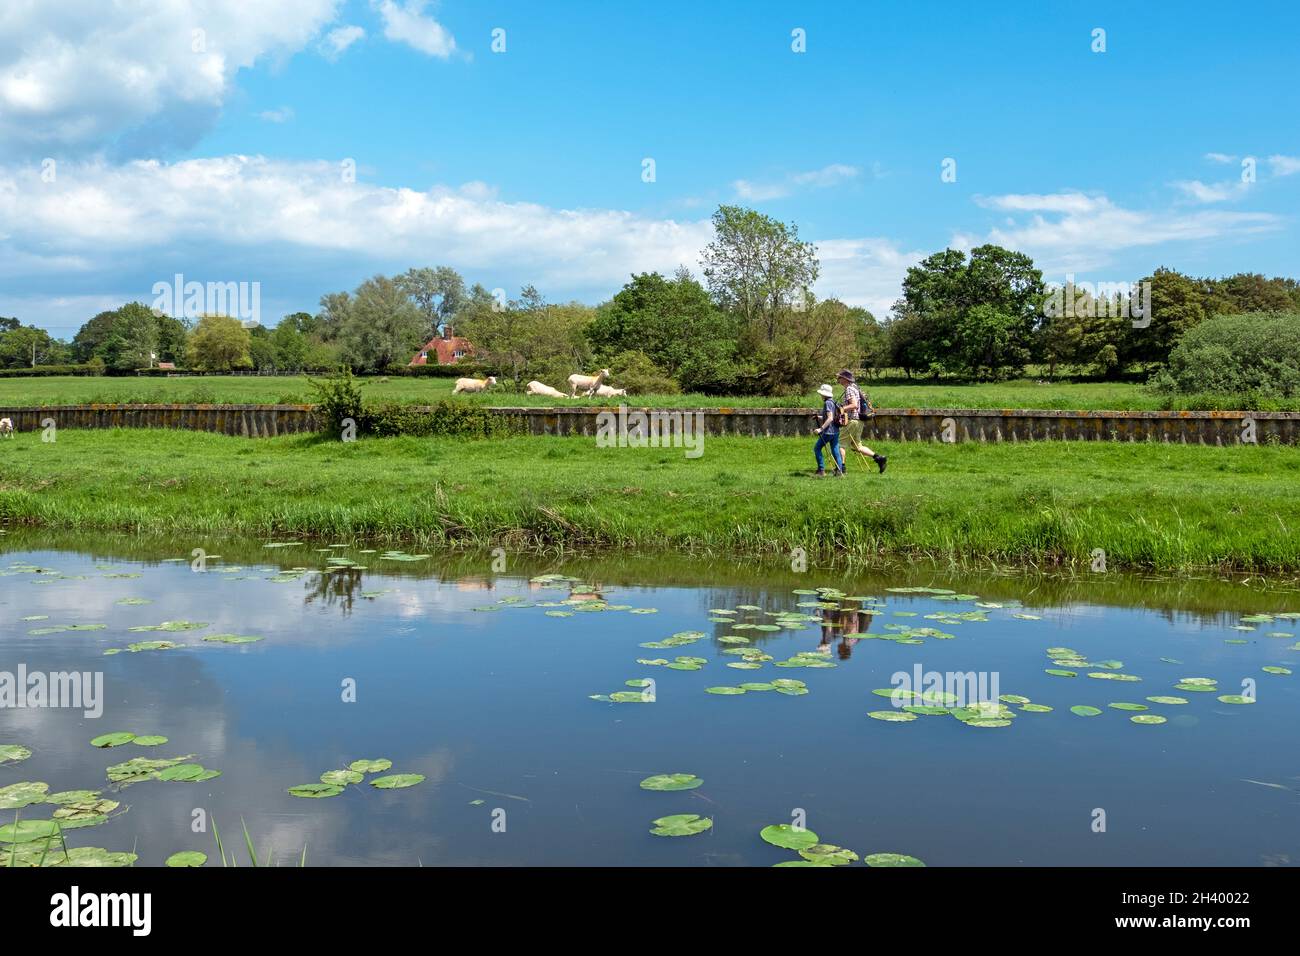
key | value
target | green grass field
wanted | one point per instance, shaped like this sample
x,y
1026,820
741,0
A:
x,y
1155,506
890,393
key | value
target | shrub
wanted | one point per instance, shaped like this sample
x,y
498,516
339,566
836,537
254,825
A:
x,y
1256,355
635,372
337,397
446,418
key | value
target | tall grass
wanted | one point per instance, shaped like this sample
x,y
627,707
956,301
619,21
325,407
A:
x,y
1038,504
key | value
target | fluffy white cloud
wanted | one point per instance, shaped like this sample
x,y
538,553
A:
x,y
1211,192
85,74
406,23
339,39
865,272
1284,165
831,175
279,115
1074,232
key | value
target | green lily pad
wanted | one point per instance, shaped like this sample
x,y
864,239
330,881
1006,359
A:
x,y
727,691
828,854
113,740
788,837
1058,672
149,740
1161,699
758,686
891,715
315,790
1036,709
25,831
1083,710
1196,688
1147,719
1126,706
371,766
891,859
1236,699
18,795
232,639
187,858
341,778
671,781
1270,669
987,722
397,781
681,824
185,772
12,753
171,626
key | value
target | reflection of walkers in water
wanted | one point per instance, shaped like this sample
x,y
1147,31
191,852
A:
x,y
850,623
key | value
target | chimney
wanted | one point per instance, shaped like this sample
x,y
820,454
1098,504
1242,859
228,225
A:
x,y
446,330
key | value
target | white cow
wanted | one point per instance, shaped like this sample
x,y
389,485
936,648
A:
x,y
537,388
473,384
7,427
605,391
588,383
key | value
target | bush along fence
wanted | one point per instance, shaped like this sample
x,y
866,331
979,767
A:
x,y
890,424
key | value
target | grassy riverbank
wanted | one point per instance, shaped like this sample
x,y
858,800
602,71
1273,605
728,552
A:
x,y
1151,506
887,393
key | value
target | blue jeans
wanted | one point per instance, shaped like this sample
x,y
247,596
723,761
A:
x,y
831,438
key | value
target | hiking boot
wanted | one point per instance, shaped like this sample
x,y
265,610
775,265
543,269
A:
x,y
839,472
881,461
819,473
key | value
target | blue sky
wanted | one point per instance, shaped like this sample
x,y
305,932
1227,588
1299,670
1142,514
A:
x,y
220,159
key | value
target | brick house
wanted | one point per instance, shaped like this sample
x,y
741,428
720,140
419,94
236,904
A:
x,y
447,349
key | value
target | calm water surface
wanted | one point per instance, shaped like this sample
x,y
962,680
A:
x,y
495,705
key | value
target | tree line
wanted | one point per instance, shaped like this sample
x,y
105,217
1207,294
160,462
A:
x,y
749,324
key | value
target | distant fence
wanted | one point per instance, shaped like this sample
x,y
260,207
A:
x,y
890,424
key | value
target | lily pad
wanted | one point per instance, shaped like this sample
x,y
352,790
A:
x,y
315,790
1126,706
18,795
341,778
671,781
1161,699
25,831
12,753
371,766
397,781
1083,710
1236,699
113,739
1147,719
788,837
726,691
187,858
828,854
232,639
891,715
149,740
681,824
1058,672
891,859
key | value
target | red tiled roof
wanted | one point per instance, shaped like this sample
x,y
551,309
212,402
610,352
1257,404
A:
x,y
443,351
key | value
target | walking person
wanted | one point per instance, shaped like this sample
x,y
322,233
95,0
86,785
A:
x,y
828,433
854,408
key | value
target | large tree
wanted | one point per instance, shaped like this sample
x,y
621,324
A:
x,y
758,268
439,293
219,343
380,326
675,324
132,339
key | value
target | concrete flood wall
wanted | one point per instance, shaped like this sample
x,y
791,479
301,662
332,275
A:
x,y
890,424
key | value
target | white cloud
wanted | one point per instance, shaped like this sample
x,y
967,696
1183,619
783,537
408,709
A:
x,y
339,39
82,75
1071,232
1284,165
1213,192
280,115
831,175
1220,158
405,22
865,272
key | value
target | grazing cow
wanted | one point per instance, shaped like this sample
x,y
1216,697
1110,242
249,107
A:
x,y
588,383
605,391
473,384
537,388
7,427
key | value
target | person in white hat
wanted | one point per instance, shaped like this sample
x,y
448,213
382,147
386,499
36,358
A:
x,y
828,433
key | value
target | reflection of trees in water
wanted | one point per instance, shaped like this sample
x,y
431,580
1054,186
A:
x,y
334,588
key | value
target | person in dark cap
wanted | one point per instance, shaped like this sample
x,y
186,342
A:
x,y
855,409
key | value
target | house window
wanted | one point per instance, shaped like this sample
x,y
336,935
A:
x,y
424,355
459,353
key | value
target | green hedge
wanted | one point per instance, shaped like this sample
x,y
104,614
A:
x,y
1255,355
459,370
43,371
446,418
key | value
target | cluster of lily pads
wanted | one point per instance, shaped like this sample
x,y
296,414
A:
x,y
39,842
812,852
334,782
